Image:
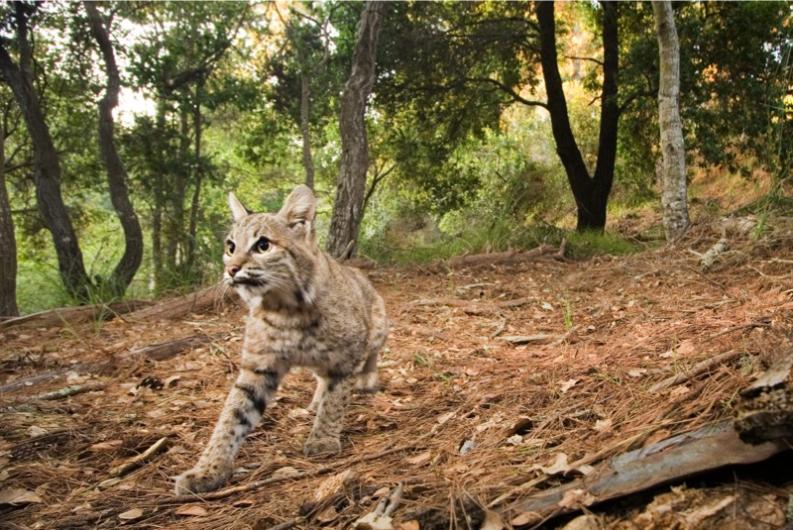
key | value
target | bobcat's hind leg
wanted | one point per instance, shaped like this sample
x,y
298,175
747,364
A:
x,y
325,437
367,380
319,393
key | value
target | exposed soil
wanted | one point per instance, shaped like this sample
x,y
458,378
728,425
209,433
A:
x,y
453,384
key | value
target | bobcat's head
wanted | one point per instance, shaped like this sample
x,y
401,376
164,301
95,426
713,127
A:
x,y
270,258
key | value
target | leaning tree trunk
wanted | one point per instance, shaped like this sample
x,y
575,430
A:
x,y
673,155
46,163
116,174
351,187
8,257
590,193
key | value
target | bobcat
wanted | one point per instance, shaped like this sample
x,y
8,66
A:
x,y
305,309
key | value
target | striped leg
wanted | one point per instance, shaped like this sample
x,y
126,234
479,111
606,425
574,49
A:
x,y
245,404
324,437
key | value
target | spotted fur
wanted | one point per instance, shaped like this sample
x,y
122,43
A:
x,y
305,309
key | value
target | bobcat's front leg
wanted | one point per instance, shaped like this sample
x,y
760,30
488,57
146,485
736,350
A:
x,y
325,435
245,404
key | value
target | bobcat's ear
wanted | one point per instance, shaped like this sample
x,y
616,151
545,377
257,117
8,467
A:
x,y
238,211
299,211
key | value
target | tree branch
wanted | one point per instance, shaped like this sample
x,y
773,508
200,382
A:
x,y
508,90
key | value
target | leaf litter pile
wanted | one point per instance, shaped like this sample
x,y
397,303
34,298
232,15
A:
x,y
500,382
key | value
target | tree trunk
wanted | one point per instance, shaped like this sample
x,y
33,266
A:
x,y
47,168
673,154
8,257
116,173
305,129
195,202
157,207
590,193
351,187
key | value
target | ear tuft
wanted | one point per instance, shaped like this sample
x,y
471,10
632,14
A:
x,y
238,210
299,211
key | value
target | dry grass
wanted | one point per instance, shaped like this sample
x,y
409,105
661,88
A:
x,y
624,324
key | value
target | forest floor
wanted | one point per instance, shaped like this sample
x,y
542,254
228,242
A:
x,y
464,415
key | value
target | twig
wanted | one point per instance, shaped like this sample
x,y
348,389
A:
x,y
140,459
227,492
286,525
500,329
71,391
699,368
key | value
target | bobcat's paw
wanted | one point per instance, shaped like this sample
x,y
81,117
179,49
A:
x,y
368,383
201,479
322,446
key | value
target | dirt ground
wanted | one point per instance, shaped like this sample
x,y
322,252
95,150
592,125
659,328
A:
x,y
464,417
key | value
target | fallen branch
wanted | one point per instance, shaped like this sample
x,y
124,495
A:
x,y
227,492
74,315
137,461
705,449
171,348
214,296
49,375
70,391
696,370
526,339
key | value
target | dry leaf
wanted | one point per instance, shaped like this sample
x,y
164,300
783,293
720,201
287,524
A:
x,y
327,515
333,485
105,446
35,430
695,517
679,391
686,347
443,418
603,425
419,459
492,521
584,522
129,515
18,496
243,503
559,465
284,472
567,385
637,372
192,509
410,525
525,518
576,498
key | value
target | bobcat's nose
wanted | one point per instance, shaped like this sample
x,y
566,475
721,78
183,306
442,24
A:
x,y
232,270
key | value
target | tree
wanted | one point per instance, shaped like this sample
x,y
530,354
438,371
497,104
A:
x,y
8,257
47,169
116,174
673,171
351,186
591,192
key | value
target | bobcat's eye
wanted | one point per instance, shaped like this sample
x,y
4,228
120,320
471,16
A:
x,y
230,247
263,244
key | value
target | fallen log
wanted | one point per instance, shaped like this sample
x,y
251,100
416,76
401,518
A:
x,y
765,410
75,315
49,375
212,297
681,456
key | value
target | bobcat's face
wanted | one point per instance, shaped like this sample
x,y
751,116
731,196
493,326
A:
x,y
269,258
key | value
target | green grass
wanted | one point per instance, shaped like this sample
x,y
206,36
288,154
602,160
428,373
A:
x,y
494,239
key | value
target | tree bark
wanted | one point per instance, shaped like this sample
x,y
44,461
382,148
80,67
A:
x,y
305,129
116,173
8,257
673,155
46,163
348,205
195,202
590,193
